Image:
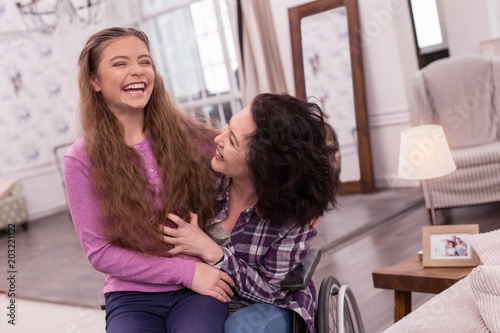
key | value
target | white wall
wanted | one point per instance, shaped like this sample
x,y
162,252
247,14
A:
x,y
469,22
494,17
389,60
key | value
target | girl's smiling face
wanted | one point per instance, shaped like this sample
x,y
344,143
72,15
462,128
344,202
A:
x,y
125,75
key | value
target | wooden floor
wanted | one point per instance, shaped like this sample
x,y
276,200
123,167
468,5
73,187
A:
x,y
388,244
53,242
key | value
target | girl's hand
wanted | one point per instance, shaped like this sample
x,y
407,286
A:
x,y
189,239
212,282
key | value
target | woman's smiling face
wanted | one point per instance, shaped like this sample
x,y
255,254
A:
x,y
232,146
125,75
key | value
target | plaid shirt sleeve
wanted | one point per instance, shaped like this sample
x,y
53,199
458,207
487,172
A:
x,y
260,256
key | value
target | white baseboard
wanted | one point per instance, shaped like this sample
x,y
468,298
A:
x,y
47,210
394,182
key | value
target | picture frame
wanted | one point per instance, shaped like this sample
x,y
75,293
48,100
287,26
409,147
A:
x,y
449,246
490,48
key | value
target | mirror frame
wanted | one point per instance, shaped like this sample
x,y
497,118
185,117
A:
x,y
366,183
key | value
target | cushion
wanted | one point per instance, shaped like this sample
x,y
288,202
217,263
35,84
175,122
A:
x,y
487,246
5,186
485,285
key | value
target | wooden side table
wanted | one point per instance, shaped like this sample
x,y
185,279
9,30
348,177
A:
x,y
410,276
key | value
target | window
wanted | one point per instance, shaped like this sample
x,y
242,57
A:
x,y
427,22
194,49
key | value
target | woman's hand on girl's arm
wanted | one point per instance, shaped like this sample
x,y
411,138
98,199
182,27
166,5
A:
x,y
189,239
212,282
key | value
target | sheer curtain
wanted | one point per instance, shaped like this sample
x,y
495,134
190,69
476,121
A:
x,y
262,70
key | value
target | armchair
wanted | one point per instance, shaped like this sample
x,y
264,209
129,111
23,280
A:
x,y
462,95
13,207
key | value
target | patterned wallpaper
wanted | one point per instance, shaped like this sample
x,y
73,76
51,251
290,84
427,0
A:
x,y
39,95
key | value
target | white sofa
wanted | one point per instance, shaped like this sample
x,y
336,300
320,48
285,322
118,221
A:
x,y
471,305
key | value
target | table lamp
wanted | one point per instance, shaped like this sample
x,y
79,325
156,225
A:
x,y
424,154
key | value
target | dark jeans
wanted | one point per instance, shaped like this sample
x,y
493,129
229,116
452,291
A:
x,y
182,311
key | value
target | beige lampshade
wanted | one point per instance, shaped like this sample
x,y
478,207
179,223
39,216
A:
x,y
424,153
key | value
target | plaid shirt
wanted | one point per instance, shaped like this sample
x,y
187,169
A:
x,y
259,255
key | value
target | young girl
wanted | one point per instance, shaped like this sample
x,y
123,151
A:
x,y
279,161
138,160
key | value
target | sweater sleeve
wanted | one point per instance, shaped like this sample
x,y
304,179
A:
x,y
121,263
263,283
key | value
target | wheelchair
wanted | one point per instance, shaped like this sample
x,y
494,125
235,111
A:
x,y
337,311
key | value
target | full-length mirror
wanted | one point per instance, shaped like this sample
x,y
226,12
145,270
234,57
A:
x,y
328,70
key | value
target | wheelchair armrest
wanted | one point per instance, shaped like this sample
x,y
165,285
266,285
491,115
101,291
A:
x,y
300,277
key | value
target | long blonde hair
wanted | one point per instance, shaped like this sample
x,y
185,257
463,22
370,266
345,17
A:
x,y
125,197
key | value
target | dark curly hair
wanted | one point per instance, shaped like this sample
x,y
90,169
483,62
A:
x,y
292,159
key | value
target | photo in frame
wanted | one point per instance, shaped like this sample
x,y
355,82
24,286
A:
x,y
449,246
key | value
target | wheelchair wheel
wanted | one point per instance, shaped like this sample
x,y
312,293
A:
x,y
326,316
338,311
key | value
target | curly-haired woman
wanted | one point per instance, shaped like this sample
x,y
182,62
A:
x,y
138,160
279,161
